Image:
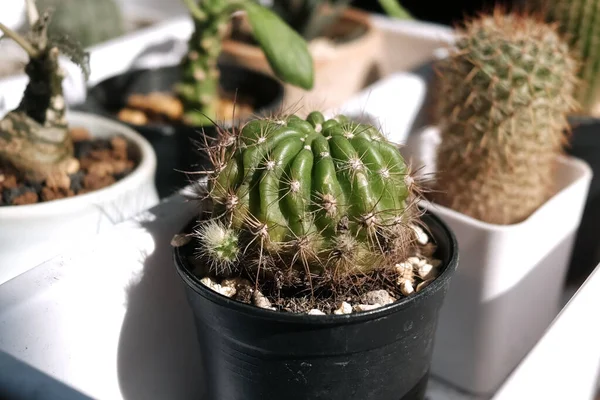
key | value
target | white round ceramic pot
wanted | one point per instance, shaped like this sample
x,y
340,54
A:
x,y
32,234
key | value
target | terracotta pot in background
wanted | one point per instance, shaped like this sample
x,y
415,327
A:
x,y
341,70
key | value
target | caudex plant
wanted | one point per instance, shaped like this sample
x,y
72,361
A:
x,y
285,50
310,202
506,89
34,138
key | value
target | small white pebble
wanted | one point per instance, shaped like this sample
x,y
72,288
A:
x,y
423,284
209,282
261,301
180,240
378,297
315,311
426,271
421,262
406,287
421,235
403,267
226,291
345,308
366,307
405,270
236,282
414,261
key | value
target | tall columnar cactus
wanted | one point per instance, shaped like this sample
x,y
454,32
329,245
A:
x,y
329,197
285,50
34,138
90,21
505,91
578,21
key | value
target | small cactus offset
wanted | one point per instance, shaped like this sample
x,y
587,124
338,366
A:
x,y
90,21
285,50
506,89
329,198
578,22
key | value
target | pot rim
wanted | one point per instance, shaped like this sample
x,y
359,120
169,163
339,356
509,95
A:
x,y
351,14
146,167
331,319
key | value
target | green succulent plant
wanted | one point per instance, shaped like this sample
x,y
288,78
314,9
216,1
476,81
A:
x,y
285,50
330,198
34,137
505,91
578,22
310,18
90,21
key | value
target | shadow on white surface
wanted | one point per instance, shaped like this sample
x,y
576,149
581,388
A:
x,y
158,354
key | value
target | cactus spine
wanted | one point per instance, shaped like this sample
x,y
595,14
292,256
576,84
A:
x,y
579,21
34,137
328,197
90,21
506,89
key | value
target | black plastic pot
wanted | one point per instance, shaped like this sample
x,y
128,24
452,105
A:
x,y
176,144
249,353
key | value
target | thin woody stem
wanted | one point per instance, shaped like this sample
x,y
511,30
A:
x,y
20,40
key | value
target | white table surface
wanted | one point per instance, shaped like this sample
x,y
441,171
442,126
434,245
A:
x,y
110,319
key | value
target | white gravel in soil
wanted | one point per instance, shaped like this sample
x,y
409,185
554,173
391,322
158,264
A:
x,y
414,274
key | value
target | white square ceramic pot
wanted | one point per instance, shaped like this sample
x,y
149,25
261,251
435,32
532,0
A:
x,y
509,282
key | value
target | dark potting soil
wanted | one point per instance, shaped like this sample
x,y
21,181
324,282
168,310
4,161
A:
x,y
102,163
298,294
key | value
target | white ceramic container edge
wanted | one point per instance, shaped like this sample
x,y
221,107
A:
x,y
509,283
31,234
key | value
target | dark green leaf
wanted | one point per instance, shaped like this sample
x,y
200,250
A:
x,y
285,49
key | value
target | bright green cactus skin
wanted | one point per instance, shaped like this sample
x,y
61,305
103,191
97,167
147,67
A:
x,y
331,191
579,22
506,89
89,21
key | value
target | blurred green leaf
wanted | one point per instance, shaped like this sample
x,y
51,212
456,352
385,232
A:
x,y
284,48
394,9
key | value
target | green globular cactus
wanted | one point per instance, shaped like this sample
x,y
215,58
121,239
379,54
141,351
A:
x,y
505,91
578,21
328,197
89,21
285,50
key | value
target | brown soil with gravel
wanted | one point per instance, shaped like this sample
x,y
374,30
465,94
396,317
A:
x,y
158,107
323,296
102,163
